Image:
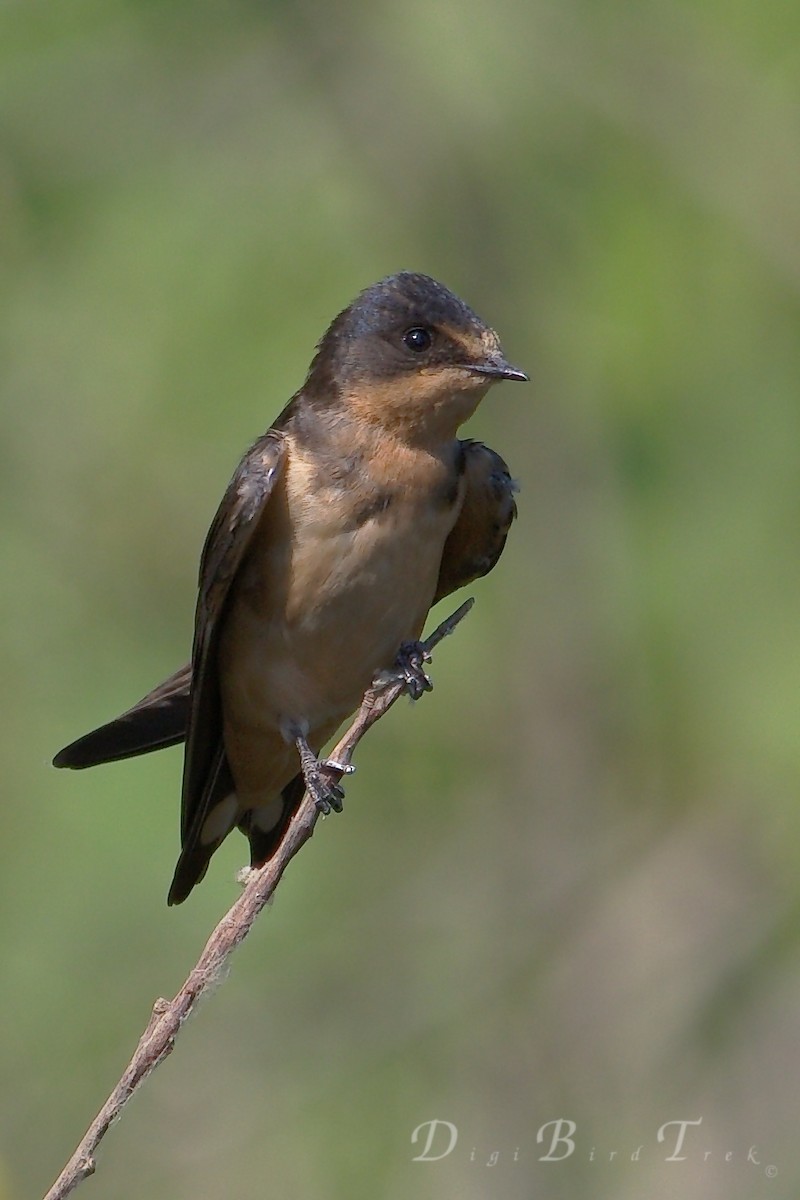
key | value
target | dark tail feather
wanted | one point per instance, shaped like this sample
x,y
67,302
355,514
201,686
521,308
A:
x,y
195,854
158,720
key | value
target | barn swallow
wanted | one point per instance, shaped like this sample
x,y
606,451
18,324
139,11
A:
x,y
343,524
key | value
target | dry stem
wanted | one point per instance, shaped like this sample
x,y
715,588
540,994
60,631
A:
x,y
158,1039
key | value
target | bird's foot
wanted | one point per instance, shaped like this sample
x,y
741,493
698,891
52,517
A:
x,y
409,669
322,778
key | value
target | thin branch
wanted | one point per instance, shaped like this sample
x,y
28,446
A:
x,y
158,1039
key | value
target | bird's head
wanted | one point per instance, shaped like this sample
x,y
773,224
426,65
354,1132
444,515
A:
x,y
407,354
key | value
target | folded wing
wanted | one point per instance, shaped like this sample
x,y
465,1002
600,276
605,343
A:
x,y
206,777
479,535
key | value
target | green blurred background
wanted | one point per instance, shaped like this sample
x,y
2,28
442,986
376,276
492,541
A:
x,y
568,883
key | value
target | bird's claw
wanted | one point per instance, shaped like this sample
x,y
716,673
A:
x,y
409,668
327,796
326,790
322,777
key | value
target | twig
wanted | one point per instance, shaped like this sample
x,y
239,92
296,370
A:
x,y
158,1039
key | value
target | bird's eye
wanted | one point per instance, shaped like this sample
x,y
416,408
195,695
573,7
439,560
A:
x,y
418,339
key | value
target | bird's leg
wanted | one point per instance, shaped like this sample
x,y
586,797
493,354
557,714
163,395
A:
x,y
409,669
322,776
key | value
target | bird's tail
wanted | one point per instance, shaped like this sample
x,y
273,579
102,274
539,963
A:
x,y
196,853
158,720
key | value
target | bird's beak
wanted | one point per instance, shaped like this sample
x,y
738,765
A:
x,y
496,367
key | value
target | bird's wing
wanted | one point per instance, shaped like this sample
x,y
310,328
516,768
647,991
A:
x,y
157,720
224,551
160,718
477,539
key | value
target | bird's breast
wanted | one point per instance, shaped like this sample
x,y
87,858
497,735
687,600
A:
x,y
340,572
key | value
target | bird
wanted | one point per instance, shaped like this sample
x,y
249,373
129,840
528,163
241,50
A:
x,y
344,523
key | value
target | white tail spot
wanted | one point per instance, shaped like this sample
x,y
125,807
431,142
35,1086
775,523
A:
x,y
220,821
266,816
